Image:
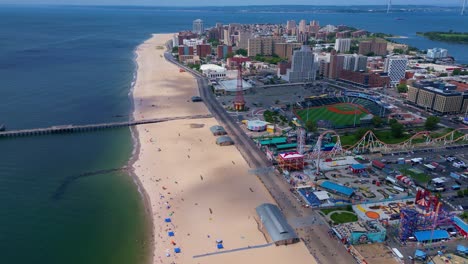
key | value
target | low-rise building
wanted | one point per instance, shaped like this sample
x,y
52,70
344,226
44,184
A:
x,y
436,53
365,79
362,232
274,225
213,71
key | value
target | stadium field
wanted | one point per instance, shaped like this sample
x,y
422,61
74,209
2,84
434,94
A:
x,y
338,114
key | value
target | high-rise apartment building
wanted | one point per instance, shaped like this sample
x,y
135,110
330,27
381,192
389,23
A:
x,y
243,42
349,62
336,65
314,26
223,51
203,50
285,50
342,45
376,46
290,25
185,50
260,46
198,26
227,37
185,35
343,34
302,66
303,26
395,66
355,62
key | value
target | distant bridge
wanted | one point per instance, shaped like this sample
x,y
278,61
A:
x,y
92,127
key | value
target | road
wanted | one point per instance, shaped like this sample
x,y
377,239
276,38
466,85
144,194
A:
x,y
325,249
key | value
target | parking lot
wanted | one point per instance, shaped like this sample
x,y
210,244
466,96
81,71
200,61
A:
x,y
443,171
259,97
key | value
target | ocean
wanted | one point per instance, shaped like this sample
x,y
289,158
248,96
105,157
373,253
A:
x,y
75,65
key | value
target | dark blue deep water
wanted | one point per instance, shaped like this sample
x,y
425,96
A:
x,y
74,65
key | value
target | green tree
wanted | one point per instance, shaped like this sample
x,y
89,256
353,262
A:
x,y
268,116
402,88
431,122
377,121
242,52
175,49
464,215
444,74
399,51
370,54
360,133
456,72
230,55
213,42
460,193
397,130
465,192
392,121
310,126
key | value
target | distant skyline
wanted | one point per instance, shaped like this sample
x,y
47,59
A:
x,y
191,3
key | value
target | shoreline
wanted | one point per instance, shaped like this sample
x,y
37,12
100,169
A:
x,y
204,189
134,158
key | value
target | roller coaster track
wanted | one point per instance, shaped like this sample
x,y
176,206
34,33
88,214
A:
x,y
370,142
421,139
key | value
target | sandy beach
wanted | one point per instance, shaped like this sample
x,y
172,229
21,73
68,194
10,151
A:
x,y
205,190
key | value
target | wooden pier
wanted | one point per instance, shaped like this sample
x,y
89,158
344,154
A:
x,y
93,127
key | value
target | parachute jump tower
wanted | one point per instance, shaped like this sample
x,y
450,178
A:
x,y
239,101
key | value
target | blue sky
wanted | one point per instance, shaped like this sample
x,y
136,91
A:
x,y
231,2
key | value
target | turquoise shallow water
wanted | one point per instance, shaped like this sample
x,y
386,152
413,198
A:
x,y
74,65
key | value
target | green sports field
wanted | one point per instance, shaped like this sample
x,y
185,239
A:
x,y
338,114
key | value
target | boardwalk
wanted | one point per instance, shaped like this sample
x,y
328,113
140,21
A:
x,y
92,127
233,250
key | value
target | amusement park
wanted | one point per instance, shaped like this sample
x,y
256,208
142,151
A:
x,y
340,156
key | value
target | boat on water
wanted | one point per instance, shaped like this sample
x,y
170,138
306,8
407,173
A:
x,y
399,18
2,127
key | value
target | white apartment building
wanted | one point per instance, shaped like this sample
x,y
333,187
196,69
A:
x,y
302,66
192,42
198,26
395,66
342,45
437,53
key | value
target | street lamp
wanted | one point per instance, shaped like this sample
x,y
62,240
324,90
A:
x,y
355,110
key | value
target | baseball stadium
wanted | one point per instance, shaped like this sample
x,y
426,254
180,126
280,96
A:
x,y
340,112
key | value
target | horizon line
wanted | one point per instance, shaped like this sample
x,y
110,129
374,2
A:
x,y
189,6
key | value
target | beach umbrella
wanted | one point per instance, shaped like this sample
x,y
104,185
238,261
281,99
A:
x,y
219,241
177,250
167,220
170,233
